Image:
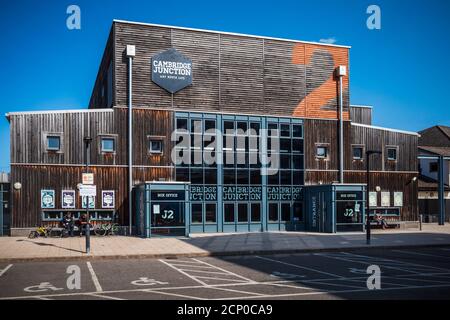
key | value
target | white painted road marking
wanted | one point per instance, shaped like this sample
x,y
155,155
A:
x,y
2,272
97,285
421,254
147,282
42,287
300,267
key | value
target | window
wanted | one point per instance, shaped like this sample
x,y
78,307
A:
x,y
255,212
108,145
392,154
297,131
229,212
242,212
285,212
155,146
321,152
197,214
434,167
182,124
210,213
273,212
357,153
54,143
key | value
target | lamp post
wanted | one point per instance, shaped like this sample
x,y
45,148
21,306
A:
x,y
368,154
87,142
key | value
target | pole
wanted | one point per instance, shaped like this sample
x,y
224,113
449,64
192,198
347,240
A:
x,y
341,134
87,141
130,143
441,196
367,199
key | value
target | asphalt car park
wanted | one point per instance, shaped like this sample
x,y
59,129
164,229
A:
x,y
414,273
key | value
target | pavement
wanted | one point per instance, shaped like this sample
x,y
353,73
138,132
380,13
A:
x,y
14,249
412,273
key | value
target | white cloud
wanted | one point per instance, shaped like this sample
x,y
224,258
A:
x,y
331,40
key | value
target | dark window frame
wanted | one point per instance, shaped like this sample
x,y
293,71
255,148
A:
x,y
326,146
395,148
151,139
358,146
58,135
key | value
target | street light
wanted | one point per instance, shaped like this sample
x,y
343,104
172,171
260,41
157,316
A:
x,y
368,154
87,142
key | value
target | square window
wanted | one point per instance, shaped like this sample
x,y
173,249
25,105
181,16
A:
x,y
273,212
228,209
54,143
392,154
255,128
182,124
255,212
297,131
434,167
155,146
210,126
241,128
273,129
322,152
228,127
285,130
357,153
108,145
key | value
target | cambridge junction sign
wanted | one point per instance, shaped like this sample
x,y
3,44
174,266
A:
x,y
171,70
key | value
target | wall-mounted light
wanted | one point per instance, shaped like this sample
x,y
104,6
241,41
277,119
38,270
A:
x,y
17,186
378,188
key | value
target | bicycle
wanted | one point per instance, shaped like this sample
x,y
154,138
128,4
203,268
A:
x,y
40,232
107,229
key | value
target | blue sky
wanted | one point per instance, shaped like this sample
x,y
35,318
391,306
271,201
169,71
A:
x,y
402,70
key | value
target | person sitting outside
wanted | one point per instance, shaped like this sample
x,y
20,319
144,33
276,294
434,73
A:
x,y
68,224
381,221
82,223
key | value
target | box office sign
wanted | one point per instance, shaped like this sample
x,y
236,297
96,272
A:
x,y
171,70
48,199
168,195
349,196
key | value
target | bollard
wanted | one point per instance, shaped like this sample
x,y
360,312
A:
x,y
420,221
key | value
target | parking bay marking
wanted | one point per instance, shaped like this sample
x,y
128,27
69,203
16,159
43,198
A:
x,y
97,285
420,254
300,267
2,272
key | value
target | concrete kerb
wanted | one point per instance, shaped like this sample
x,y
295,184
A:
x,y
91,257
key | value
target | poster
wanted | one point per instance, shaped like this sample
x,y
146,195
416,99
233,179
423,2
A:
x,y
108,199
373,199
68,199
398,199
385,199
91,202
48,199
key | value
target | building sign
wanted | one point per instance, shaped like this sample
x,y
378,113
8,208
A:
x,y
171,70
48,199
244,193
385,199
68,199
349,196
88,190
203,193
87,178
167,214
284,193
398,199
168,195
108,199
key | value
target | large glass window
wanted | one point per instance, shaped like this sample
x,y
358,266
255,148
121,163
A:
x,y
297,213
242,212
273,212
228,212
285,212
196,213
255,212
210,213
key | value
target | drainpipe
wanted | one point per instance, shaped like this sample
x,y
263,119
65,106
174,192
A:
x,y
130,53
341,72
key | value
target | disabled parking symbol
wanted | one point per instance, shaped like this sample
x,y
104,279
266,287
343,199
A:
x,y
147,282
44,286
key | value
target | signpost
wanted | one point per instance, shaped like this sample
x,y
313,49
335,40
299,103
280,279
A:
x,y
88,191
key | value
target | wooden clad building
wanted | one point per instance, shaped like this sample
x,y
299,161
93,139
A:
x,y
237,80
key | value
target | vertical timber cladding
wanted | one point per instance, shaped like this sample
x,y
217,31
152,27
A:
x,y
232,73
36,168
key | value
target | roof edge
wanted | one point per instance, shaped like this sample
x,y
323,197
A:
x,y
229,33
385,129
21,113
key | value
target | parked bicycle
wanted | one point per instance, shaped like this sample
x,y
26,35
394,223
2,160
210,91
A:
x,y
40,232
107,229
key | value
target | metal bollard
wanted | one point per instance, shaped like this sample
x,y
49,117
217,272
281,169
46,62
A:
x,y
420,221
